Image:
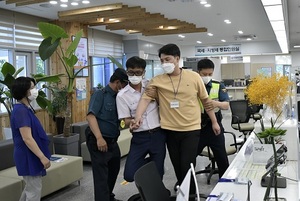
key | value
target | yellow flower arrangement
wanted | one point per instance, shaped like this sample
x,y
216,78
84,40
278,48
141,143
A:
x,y
271,91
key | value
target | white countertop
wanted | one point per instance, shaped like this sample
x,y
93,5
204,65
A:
x,y
242,167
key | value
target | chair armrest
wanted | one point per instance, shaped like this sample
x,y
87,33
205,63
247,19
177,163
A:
x,y
234,139
235,117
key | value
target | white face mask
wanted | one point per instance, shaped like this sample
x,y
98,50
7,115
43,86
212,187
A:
x,y
135,80
33,94
168,67
206,79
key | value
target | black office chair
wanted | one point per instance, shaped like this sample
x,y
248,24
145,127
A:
x,y
150,185
254,112
240,117
211,169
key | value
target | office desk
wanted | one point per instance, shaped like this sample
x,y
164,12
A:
x,y
236,93
242,166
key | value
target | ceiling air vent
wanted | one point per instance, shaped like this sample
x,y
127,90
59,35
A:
x,y
245,37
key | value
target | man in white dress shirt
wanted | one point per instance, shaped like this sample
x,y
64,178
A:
x,y
149,139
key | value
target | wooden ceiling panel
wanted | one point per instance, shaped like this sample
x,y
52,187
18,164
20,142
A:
x,y
135,19
122,17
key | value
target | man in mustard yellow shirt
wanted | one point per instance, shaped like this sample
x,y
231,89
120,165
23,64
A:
x,y
178,93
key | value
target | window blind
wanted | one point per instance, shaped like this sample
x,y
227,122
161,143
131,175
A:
x,y
19,31
102,44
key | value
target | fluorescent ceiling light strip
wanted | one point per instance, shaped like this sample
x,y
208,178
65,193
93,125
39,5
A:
x,y
274,12
270,2
282,40
278,25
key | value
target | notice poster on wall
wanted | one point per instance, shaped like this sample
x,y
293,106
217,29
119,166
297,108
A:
x,y
80,89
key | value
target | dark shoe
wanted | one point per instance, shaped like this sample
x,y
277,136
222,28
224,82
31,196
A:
x,y
135,197
112,197
116,199
176,186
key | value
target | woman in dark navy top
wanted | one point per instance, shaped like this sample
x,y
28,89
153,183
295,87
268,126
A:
x,y
31,153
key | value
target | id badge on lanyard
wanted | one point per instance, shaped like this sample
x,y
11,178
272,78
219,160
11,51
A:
x,y
174,104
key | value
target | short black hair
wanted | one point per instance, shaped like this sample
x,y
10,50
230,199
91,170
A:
x,y
20,87
136,62
169,49
205,64
119,74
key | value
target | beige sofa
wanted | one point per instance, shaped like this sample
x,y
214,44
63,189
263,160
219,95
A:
x,y
123,141
59,175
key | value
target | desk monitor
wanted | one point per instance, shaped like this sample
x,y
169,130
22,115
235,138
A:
x,y
228,82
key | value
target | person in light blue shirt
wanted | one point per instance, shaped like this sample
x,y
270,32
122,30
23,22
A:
x,y
31,153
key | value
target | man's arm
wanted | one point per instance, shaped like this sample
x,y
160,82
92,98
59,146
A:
x,y
222,105
93,124
209,110
141,108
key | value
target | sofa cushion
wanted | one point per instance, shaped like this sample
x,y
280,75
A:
x,y
59,175
6,154
80,127
10,188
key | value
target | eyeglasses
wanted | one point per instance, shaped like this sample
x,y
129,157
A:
x,y
137,73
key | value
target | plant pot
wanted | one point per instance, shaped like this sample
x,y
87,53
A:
x,y
60,122
66,145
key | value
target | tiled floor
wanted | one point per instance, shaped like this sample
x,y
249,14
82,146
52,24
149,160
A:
x,y
84,191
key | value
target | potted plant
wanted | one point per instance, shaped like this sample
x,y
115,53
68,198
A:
x,y
272,92
52,43
54,35
58,106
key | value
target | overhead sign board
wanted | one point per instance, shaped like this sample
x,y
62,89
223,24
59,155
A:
x,y
218,50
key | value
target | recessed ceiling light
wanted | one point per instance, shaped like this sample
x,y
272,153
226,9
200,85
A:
x,y
53,2
199,42
223,40
240,32
85,2
210,34
203,2
227,21
64,1
63,5
296,46
207,5
249,39
74,3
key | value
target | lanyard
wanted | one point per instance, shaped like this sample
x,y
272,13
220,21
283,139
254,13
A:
x,y
176,92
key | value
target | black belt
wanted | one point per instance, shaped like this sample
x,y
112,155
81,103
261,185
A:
x,y
110,140
149,131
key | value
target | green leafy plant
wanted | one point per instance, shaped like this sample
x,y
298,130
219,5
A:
x,y
52,43
9,74
58,105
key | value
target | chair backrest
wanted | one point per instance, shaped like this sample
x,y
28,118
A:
x,y
240,111
149,183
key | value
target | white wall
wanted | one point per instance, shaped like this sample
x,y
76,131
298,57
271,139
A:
x,y
295,59
257,48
